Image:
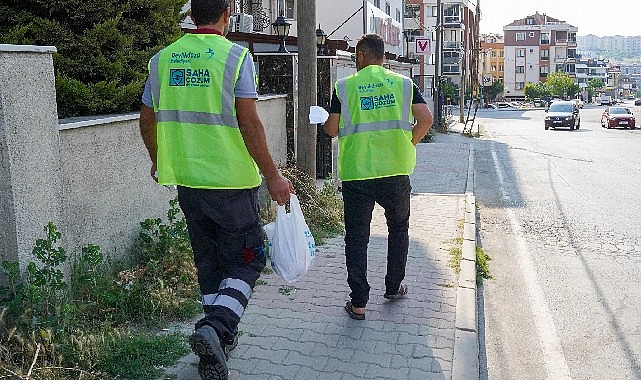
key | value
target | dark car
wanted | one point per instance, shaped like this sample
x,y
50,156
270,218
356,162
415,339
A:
x,y
637,102
562,114
614,117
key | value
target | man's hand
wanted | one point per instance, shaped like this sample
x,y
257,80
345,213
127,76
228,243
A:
x,y
154,172
280,188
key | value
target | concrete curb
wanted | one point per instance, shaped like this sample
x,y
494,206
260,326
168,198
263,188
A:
x,y
465,365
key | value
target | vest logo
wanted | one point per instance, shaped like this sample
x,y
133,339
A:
x,y
367,103
183,57
189,77
377,101
176,77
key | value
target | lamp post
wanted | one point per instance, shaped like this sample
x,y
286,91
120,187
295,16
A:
x,y
321,37
281,27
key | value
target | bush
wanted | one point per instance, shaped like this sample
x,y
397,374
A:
x,y
102,47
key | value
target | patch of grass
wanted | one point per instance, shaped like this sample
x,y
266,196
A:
x,y
286,290
267,270
482,265
137,357
455,258
260,281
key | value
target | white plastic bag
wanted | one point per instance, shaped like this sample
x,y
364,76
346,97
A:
x,y
291,244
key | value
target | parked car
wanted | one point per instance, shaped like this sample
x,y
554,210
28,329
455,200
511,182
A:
x,y
562,114
606,100
614,117
637,102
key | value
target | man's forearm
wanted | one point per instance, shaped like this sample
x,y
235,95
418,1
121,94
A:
x,y
147,124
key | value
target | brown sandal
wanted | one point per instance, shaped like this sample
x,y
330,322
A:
x,y
349,308
402,292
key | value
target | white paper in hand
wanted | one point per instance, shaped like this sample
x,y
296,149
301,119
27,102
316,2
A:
x,y
317,115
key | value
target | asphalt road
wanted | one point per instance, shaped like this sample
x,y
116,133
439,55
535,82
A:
x,y
559,216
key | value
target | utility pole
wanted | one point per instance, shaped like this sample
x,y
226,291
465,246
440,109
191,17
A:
x,y
307,86
437,67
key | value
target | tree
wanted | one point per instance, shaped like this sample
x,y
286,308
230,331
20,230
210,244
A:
x,y
449,91
495,89
102,46
536,90
560,84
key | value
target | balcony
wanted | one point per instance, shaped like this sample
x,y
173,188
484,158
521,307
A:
x,y
452,22
452,45
451,69
545,42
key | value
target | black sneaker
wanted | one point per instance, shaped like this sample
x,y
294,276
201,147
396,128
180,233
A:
x,y
205,343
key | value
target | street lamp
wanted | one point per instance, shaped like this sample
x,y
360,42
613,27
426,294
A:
x,y
281,27
321,37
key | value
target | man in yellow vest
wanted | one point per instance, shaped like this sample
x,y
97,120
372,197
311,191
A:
x,y
379,116
201,128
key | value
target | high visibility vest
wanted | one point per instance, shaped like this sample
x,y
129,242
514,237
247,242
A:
x,y
199,141
375,127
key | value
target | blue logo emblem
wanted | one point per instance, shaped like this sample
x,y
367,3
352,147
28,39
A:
x,y
176,77
211,53
367,103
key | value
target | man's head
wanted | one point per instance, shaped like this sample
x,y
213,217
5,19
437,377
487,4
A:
x,y
208,12
370,50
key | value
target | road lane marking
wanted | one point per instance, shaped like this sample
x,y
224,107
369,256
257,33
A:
x,y
554,360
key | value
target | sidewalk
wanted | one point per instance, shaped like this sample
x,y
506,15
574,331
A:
x,y
301,331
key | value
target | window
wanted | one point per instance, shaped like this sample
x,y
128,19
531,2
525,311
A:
x,y
519,85
545,55
520,36
493,68
377,4
451,14
529,21
520,69
520,52
412,11
531,34
286,8
432,12
545,39
398,15
493,53
501,54
388,9
501,68
545,70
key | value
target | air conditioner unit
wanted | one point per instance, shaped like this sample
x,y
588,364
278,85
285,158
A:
x,y
241,22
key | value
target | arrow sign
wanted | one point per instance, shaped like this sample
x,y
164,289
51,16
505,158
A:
x,y
423,46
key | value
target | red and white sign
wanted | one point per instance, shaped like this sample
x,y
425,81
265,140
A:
x,y
422,46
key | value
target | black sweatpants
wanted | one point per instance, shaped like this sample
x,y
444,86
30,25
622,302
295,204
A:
x,y
228,241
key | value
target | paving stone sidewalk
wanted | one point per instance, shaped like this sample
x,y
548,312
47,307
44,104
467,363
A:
x,y
301,331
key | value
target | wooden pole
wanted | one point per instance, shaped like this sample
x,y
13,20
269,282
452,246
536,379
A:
x,y
307,85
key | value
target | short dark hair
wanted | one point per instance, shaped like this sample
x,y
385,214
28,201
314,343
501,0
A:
x,y
205,12
372,44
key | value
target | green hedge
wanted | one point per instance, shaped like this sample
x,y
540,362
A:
x,y
102,46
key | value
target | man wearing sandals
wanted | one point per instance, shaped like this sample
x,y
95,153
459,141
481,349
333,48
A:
x,y
201,128
379,116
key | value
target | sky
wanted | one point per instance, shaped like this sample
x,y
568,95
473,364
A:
x,y
590,16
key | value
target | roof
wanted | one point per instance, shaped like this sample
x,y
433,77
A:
x,y
539,19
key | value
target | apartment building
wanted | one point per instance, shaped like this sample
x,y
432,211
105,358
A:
x,y
457,49
588,69
536,46
344,20
492,61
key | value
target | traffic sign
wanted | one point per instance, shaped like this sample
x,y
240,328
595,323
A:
x,y
422,46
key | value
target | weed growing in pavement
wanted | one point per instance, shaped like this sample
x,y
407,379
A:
x,y
455,258
286,290
482,265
